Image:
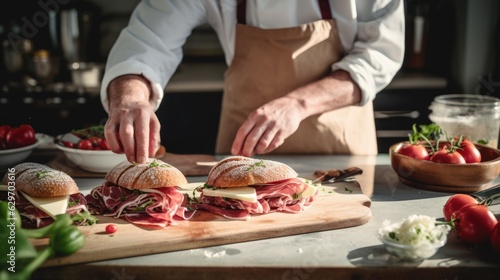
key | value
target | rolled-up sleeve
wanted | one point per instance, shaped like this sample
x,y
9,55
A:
x,y
377,50
151,44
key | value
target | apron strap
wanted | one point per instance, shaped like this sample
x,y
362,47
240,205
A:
x,y
241,10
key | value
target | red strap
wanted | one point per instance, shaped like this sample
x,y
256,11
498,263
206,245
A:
x,y
241,10
326,11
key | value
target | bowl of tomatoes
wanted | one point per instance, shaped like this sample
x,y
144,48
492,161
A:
x,y
87,149
16,144
445,166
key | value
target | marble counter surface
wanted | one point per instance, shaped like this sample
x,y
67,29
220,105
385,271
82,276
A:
x,y
350,253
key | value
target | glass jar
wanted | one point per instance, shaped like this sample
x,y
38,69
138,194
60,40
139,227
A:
x,y
472,115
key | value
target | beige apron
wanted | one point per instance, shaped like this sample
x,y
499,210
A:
x,y
269,63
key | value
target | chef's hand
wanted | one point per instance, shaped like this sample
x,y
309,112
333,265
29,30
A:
x,y
132,126
267,128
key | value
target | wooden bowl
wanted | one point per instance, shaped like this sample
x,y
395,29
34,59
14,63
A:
x,y
455,178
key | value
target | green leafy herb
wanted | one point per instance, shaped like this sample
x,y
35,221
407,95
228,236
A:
x,y
155,163
347,190
73,203
257,164
143,206
297,196
43,174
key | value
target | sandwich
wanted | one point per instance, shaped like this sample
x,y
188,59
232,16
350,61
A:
x,y
40,193
146,195
238,187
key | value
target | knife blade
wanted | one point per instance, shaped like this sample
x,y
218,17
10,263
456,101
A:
x,y
486,194
336,175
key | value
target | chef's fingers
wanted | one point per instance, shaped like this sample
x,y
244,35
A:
x,y
128,140
269,146
154,136
241,136
111,133
141,138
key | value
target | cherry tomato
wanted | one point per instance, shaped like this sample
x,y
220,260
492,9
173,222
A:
x,y
495,239
417,151
469,152
104,144
21,136
446,156
111,228
3,144
474,224
455,202
4,129
85,145
95,141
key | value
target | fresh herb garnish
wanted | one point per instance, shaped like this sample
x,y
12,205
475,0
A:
x,y
43,174
143,206
347,190
257,164
73,203
155,163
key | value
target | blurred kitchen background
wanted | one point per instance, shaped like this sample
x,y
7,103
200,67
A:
x,y
54,51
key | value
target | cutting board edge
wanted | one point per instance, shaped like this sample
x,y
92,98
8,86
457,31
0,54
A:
x,y
89,257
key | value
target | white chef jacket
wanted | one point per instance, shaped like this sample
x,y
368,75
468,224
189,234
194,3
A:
x,y
371,32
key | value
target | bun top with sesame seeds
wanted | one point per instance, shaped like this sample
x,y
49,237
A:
x,y
154,173
39,180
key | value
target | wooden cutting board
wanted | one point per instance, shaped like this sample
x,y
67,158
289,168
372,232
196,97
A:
x,y
339,206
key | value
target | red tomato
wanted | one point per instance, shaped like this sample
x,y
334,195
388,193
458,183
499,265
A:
x,y
455,202
469,152
495,239
95,141
445,156
85,145
3,144
474,223
104,144
21,136
111,228
4,129
417,151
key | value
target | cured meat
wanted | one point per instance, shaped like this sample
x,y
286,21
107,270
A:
x,y
32,217
149,208
279,196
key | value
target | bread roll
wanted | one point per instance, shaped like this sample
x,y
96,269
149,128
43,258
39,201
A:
x,y
153,174
238,171
39,180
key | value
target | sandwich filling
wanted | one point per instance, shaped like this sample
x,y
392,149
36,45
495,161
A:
x,y
150,208
289,195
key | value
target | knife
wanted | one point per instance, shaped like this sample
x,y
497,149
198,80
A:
x,y
485,194
336,175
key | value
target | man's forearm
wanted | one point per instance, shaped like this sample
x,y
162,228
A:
x,y
335,91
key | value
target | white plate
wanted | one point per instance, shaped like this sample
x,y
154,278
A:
x,y
98,161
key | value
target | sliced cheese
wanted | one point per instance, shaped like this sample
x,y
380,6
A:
x,y
241,193
310,191
50,205
191,186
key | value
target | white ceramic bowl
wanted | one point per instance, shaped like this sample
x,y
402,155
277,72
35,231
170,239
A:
x,y
98,161
413,252
12,157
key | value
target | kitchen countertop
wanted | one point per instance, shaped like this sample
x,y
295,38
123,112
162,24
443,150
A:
x,y
209,77
349,253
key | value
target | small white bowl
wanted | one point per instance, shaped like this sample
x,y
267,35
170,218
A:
x,y
413,252
98,161
11,157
